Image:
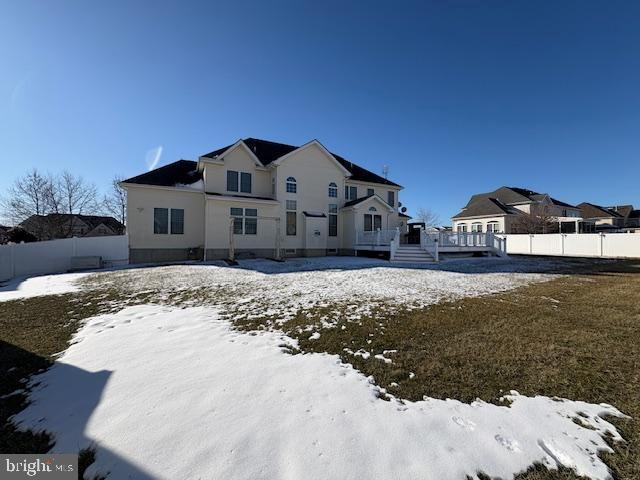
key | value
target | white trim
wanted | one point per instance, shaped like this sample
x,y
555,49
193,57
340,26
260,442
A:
x,y
239,143
227,198
365,201
385,185
279,161
160,187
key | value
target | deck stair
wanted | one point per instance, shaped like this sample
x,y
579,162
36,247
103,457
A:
x,y
412,254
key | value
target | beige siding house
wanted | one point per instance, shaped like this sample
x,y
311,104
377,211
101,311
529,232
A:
x,y
506,209
259,199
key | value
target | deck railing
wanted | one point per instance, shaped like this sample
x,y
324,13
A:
x,y
377,237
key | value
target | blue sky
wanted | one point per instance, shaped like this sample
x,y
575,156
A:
x,y
456,97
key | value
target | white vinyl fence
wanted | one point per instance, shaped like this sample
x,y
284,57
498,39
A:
x,y
54,256
607,245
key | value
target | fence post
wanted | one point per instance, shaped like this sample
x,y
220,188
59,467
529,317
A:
x,y
378,237
74,246
530,244
12,251
601,244
562,235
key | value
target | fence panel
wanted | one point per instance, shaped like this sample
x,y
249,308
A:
x,y
54,256
610,245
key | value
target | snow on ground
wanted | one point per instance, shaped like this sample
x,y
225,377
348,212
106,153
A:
x,y
177,393
39,286
356,285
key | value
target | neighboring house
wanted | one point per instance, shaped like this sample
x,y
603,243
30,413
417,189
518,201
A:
x,y
617,217
64,225
257,198
15,235
508,209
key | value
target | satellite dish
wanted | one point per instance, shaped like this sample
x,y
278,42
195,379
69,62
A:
x,y
403,209
399,204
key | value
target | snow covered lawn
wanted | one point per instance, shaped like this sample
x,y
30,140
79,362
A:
x,y
39,286
190,374
178,393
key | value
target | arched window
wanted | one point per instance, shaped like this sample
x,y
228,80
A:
x,y
292,186
333,190
476,227
462,227
373,209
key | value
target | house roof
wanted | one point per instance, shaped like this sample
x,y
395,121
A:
x,y
517,195
268,152
590,210
485,207
182,171
351,203
623,210
92,221
500,201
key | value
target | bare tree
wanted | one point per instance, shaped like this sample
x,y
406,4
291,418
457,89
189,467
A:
x,y
541,220
77,195
428,217
115,201
38,201
27,196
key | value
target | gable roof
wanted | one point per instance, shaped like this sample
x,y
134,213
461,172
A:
x,y
590,210
486,207
360,200
517,195
268,152
623,210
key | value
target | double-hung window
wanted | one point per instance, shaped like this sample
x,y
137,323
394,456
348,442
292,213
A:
x,y
391,198
333,220
333,190
161,220
238,181
177,221
292,217
476,227
245,221
350,192
370,192
167,220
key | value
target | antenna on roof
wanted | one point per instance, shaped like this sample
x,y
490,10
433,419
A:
x,y
385,171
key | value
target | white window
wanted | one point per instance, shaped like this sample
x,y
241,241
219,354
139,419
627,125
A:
x,y
370,192
462,227
245,221
333,190
238,181
350,192
372,222
493,227
476,227
391,198
292,217
333,220
292,186
167,219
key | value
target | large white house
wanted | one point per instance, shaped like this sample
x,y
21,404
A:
x,y
259,198
506,209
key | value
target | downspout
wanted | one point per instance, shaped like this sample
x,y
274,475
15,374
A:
x,y
206,208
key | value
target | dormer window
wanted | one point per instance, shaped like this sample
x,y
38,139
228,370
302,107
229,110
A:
x,y
333,190
292,186
238,181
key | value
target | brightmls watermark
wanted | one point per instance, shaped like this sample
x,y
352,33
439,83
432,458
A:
x,y
48,466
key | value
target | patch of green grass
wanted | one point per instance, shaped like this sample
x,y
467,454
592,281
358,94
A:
x,y
576,337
